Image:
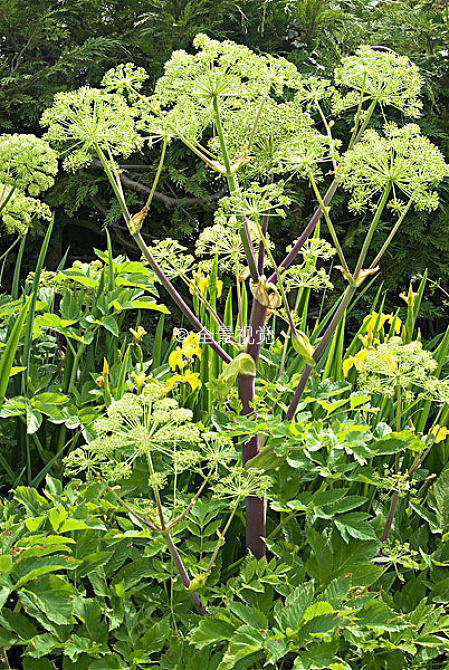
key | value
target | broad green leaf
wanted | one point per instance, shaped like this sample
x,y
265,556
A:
x,y
6,564
69,308
148,303
54,597
290,615
27,570
250,615
355,524
54,322
110,324
92,563
109,662
317,609
4,595
244,642
37,664
441,497
42,645
33,501
78,276
212,630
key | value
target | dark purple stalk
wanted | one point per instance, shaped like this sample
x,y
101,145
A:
x,y
183,573
308,231
255,507
328,333
390,517
245,236
179,300
261,255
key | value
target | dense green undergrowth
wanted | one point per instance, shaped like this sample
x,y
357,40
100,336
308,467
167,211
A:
x,y
264,488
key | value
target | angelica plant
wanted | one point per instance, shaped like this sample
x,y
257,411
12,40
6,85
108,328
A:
x,y
402,372
152,430
395,369
257,124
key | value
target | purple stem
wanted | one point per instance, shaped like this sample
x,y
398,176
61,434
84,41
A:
x,y
249,249
177,560
255,507
328,333
261,255
179,300
390,517
308,231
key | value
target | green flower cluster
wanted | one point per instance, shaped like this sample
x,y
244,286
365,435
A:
x,y
136,426
27,162
256,201
276,127
28,166
19,210
223,238
305,152
394,365
241,80
83,121
227,70
172,257
156,429
381,76
241,483
124,78
304,273
402,160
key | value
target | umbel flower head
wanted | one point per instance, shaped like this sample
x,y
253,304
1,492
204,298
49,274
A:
x,y
27,162
402,159
241,483
256,201
305,152
80,121
135,427
19,210
275,127
394,364
382,76
224,69
125,78
304,273
172,257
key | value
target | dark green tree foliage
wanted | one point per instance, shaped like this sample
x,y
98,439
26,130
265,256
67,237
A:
x,y
51,46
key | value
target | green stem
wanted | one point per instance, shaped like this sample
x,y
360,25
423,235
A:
x,y
393,232
233,190
76,360
222,537
10,248
359,111
371,230
112,181
398,419
158,173
157,497
330,225
328,129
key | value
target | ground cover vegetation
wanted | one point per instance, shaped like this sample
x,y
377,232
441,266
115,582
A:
x,y
225,446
